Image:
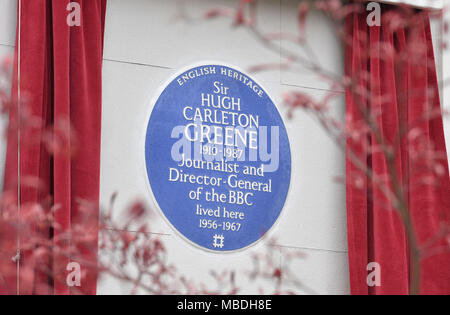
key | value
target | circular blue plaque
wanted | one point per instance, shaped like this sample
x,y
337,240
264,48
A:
x,y
218,158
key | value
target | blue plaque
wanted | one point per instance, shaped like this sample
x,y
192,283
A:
x,y
217,157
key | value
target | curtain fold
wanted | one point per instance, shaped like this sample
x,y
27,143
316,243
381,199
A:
x,y
399,150
60,123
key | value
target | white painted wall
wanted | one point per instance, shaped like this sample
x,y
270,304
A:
x,y
7,41
446,75
144,45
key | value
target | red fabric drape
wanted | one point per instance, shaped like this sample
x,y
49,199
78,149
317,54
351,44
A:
x,y
393,71
60,83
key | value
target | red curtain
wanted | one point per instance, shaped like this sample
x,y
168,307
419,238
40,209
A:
x,y
60,84
393,75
